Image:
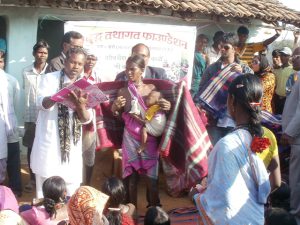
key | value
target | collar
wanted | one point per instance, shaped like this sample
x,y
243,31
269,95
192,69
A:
x,y
42,72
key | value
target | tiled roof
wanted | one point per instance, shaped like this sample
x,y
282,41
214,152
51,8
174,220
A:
x,y
266,10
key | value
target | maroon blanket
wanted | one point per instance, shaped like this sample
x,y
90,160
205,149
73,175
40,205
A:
x,y
184,143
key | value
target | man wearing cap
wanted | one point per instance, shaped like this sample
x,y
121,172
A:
x,y
245,50
89,131
71,39
282,76
2,46
291,135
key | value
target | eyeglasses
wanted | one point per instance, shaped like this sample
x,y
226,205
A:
x,y
255,62
226,47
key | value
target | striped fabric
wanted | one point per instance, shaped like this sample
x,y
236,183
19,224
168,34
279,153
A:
x,y
184,143
213,97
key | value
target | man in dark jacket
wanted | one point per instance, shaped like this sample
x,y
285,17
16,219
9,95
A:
x,y
71,39
150,71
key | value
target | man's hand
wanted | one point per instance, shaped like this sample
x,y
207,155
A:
x,y
164,104
237,68
48,103
78,98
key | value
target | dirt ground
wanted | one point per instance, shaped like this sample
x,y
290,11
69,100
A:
x,y
106,166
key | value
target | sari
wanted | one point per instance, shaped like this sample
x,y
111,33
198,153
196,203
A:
x,y
86,206
147,161
237,185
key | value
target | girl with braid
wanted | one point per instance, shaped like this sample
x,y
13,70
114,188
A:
x,y
238,182
45,211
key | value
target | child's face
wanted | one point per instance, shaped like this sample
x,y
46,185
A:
x,y
152,98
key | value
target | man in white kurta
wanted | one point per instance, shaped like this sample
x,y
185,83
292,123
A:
x,y
46,160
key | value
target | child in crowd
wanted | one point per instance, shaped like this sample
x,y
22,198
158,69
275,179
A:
x,y
155,215
45,211
116,212
155,120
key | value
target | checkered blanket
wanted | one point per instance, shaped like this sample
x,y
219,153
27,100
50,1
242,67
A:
x,y
184,143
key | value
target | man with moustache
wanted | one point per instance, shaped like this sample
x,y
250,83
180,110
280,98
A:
x,y
57,147
71,39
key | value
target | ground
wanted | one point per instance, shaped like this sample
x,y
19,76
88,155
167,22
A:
x,y
104,168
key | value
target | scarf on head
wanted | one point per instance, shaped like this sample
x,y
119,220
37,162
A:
x,y
64,127
264,66
86,206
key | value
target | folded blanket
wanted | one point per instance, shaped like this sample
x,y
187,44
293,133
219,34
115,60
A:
x,y
184,143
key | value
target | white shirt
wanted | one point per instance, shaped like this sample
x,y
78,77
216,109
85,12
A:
x,y
31,81
13,101
213,55
3,136
46,153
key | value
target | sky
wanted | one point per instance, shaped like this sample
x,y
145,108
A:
x,y
291,4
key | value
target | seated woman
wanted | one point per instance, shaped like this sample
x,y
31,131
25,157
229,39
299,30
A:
x,y
8,199
134,163
116,212
238,183
45,211
86,206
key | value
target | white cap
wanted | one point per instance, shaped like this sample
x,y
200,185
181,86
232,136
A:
x,y
286,51
91,51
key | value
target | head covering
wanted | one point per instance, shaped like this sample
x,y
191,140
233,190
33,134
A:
x,y
264,65
8,199
10,217
86,206
286,51
91,51
2,45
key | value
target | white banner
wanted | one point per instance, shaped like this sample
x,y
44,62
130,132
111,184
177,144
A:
x,y
171,47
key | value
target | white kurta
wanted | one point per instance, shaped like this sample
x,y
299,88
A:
x,y
46,154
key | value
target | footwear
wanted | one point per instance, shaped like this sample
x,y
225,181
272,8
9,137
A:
x,y
30,187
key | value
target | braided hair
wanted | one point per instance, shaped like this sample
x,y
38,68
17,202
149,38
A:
x,y
247,91
54,189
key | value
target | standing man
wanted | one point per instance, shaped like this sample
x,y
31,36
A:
x,y
32,75
291,135
214,83
71,39
150,71
13,147
214,51
282,75
245,50
57,147
89,130
200,62
5,127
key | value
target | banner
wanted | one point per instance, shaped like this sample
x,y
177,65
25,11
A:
x,y
171,47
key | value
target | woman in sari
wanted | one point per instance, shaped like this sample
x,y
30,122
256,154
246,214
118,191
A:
x,y
262,70
134,163
237,183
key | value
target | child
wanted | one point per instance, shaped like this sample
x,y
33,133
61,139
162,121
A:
x,y
116,212
156,216
154,121
44,212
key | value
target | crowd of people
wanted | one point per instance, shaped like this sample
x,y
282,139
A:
x,y
234,87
